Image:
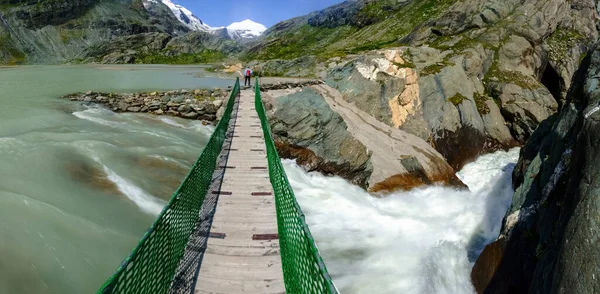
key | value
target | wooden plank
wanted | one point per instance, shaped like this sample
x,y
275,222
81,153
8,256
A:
x,y
244,256
220,285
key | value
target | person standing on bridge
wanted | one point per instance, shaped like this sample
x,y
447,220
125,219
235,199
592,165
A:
x,y
247,75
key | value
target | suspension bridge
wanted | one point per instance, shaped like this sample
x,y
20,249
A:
x,y
233,225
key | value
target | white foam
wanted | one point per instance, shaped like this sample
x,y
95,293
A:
x,y
171,122
193,125
91,114
137,195
141,198
409,242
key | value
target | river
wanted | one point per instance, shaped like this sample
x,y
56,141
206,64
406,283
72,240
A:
x,y
422,241
80,185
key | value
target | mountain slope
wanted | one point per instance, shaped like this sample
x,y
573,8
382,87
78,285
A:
x,y
182,14
469,76
55,31
348,27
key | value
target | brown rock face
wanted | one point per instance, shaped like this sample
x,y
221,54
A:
x,y
487,264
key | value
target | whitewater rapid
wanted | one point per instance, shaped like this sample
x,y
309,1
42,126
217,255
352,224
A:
x,y
147,202
422,241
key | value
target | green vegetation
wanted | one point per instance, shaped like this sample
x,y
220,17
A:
x,y
511,77
495,74
66,35
561,41
457,99
480,99
436,68
15,56
379,24
207,56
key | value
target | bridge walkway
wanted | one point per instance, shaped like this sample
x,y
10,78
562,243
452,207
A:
x,y
242,253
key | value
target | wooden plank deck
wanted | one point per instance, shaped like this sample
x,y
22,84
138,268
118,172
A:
x,y
233,261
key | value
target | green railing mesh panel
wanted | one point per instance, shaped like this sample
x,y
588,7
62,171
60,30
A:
x,y
303,268
151,266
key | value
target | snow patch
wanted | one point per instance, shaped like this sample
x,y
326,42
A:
x,y
185,16
247,28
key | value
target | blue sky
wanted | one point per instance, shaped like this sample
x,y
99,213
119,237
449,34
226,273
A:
x,y
268,12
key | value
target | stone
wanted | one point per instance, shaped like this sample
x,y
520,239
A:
x,y
123,106
218,103
220,113
173,112
134,109
198,108
190,115
159,112
178,99
172,104
87,99
154,106
128,100
208,107
184,109
144,109
207,117
89,93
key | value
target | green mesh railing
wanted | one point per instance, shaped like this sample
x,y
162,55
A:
x,y
152,264
303,268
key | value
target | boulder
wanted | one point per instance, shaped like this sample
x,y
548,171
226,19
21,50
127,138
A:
x,y
154,106
123,106
183,109
177,99
207,117
190,115
134,109
322,132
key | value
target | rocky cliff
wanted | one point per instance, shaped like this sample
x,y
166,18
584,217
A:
x,y
162,48
549,241
467,76
57,31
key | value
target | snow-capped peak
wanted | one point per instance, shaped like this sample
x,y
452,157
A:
x,y
247,28
185,16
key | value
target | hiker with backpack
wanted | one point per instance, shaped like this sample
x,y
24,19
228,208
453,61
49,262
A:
x,y
247,75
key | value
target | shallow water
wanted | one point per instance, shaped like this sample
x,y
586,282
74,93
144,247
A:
x,y
422,241
78,185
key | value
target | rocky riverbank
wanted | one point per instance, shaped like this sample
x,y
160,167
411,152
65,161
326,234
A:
x,y
201,104
549,239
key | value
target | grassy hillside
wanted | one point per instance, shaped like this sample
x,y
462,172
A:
x,y
350,27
